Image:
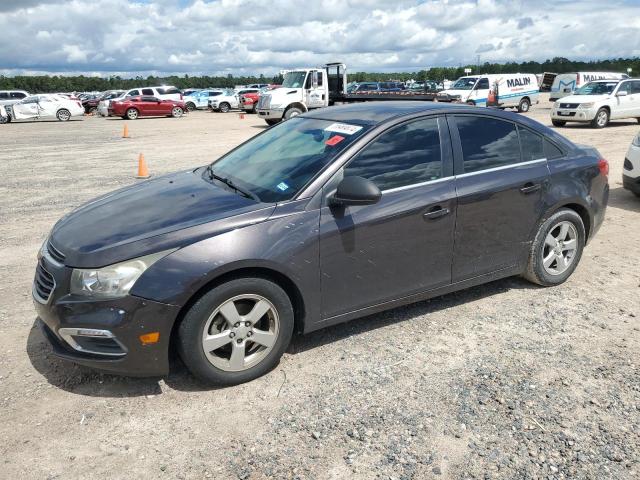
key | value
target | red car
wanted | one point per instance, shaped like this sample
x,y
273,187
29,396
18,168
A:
x,y
249,101
134,107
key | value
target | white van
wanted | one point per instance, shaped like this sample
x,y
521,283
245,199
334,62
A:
x,y
566,83
509,90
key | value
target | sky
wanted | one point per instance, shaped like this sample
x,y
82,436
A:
x,y
218,37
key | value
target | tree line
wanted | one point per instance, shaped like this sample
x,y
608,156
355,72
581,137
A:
x,y
81,83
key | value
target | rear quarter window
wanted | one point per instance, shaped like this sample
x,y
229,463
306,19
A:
x,y
532,145
168,91
551,151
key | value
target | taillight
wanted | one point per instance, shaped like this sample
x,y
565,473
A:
x,y
603,165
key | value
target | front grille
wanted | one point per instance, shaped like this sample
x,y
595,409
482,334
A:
x,y
43,283
56,254
569,105
627,164
264,102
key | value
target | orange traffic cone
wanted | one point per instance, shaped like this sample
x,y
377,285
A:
x,y
125,131
143,171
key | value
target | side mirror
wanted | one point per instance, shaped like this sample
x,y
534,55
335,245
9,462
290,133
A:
x,y
622,93
355,191
567,90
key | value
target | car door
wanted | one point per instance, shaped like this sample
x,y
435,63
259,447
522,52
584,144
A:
x,y
480,92
499,193
27,108
403,244
633,92
314,90
623,104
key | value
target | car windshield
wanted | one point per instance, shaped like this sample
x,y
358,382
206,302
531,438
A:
x,y
596,88
277,164
294,79
464,83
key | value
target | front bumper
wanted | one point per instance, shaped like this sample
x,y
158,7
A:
x,y
574,115
272,113
124,318
632,184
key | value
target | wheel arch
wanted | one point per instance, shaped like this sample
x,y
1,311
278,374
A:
x,y
264,272
299,105
577,207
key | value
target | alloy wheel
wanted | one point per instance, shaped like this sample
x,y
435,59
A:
x,y
602,118
64,115
560,247
176,112
240,333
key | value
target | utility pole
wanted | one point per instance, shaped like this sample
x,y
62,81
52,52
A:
x,y
478,64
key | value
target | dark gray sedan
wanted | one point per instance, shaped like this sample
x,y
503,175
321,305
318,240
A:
x,y
333,215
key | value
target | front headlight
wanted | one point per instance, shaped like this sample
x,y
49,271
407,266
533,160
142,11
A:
x,y
113,281
586,105
636,141
556,105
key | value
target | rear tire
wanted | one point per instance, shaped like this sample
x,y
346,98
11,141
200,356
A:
x,y
206,319
271,121
558,123
551,261
131,114
471,103
524,105
63,115
224,107
601,119
176,112
191,106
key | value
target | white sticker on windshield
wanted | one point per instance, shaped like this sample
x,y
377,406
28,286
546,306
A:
x,y
343,128
282,186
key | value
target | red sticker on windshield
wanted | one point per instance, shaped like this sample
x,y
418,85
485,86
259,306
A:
x,y
336,139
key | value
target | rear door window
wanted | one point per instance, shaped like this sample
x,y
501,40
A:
x,y
487,143
4,95
405,155
531,145
147,91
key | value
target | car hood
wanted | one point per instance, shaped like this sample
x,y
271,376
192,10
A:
x,y
453,93
155,215
584,98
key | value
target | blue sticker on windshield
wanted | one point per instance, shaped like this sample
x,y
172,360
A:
x,y
282,186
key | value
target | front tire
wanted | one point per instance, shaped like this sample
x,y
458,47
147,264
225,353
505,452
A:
x,y
292,112
224,107
63,115
558,123
601,119
524,105
236,332
271,121
557,249
131,114
176,112
191,106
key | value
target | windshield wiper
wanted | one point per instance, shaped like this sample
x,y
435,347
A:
x,y
242,191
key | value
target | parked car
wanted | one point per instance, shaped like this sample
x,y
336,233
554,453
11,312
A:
x,y
366,87
599,102
37,107
91,103
631,168
133,107
4,116
163,92
8,97
332,215
200,99
229,99
391,86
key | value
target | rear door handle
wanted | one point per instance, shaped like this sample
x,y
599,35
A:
x,y
436,212
530,188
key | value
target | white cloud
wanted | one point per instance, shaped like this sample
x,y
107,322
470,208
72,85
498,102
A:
x,y
130,37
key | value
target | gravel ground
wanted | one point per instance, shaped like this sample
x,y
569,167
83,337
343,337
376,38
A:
x,y
505,380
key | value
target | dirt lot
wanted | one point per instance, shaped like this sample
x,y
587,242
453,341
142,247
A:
x,y
500,381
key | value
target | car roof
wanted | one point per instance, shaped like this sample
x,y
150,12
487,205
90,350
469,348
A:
x,y
373,113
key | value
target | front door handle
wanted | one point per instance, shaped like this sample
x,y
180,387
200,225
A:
x,y
436,212
530,188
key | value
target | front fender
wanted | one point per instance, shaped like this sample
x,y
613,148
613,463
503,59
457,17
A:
x,y
286,243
